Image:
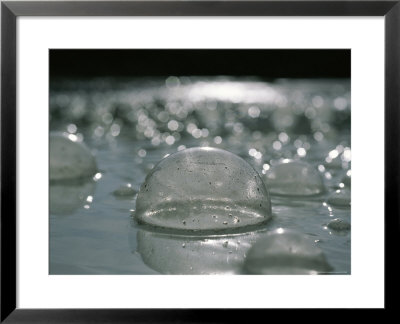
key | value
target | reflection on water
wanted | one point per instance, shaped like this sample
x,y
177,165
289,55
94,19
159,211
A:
x,y
180,254
295,134
286,252
67,198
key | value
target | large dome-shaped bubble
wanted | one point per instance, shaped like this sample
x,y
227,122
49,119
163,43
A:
x,y
285,252
294,178
69,159
203,189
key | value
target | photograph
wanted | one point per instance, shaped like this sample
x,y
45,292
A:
x,y
199,161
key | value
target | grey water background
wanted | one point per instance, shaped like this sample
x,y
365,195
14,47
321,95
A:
x,y
131,124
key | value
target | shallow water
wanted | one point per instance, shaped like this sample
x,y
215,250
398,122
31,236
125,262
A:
x,y
130,125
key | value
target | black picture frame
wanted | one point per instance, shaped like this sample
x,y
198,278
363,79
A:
x,y
10,10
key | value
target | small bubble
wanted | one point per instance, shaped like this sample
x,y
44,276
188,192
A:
x,y
72,128
115,129
97,176
217,139
172,82
254,112
225,223
170,140
225,244
142,153
283,137
318,136
301,152
173,125
277,145
340,103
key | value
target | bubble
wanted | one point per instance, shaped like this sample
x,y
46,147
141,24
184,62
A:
x,y
283,137
196,185
340,198
339,224
172,82
69,159
125,190
72,128
217,139
170,140
294,178
285,252
254,112
340,103
173,125
301,152
277,145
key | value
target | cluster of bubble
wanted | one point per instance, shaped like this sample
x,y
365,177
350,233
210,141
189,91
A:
x,y
207,111
283,119
209,189
274,127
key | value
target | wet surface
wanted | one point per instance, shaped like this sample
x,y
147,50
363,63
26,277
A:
x,y
131,125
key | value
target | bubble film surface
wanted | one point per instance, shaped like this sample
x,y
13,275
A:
x,y
203,189
294,178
